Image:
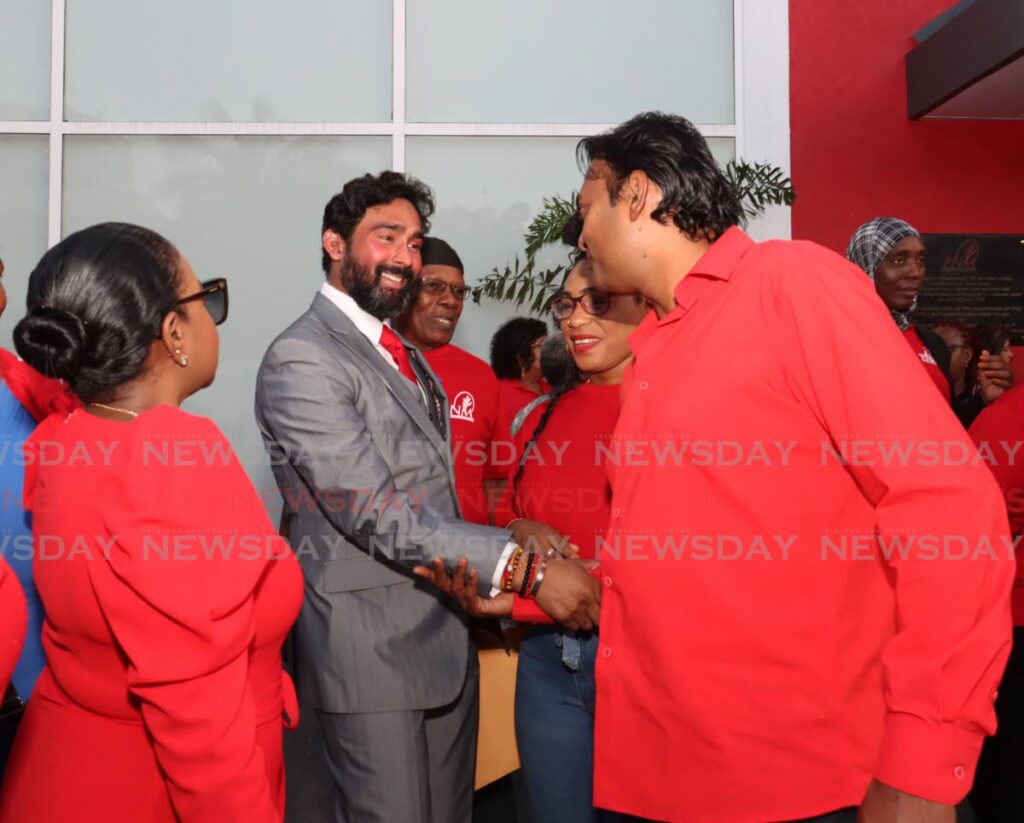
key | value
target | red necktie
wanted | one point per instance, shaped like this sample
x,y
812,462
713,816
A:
x,y
393,346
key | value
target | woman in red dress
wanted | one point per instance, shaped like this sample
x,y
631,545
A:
x,y
167,591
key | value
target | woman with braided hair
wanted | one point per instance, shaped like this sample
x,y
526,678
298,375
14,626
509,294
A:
x,y
561,480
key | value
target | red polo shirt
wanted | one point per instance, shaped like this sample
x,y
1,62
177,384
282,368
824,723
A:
x,y
481,444
999,434
774,629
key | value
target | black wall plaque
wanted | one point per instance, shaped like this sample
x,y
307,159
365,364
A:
x,y
977,278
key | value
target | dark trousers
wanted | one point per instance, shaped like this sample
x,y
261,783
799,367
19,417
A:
x,y
998,793
409,766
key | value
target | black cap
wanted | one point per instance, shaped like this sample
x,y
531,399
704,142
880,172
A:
x,y
436,252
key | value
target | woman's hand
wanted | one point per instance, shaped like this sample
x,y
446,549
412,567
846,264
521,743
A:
x,y
995,375
535,536
462,588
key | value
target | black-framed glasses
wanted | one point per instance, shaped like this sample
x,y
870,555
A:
x,y
594,303
435,287
214,294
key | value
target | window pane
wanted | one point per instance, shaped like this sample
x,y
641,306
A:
x,y
245,208
24,170
233,60
25,60
571,61
488,189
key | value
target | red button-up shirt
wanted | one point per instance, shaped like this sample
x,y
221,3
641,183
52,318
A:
x,y
775,631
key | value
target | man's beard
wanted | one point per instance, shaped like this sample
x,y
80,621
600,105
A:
x,y
368,293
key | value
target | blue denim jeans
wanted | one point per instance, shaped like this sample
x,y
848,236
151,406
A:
x,y
555,725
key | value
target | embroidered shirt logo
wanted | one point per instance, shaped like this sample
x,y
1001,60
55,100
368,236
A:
x,y
463,407
926,357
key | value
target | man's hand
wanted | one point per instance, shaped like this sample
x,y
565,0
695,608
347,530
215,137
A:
x,y
462,588
534,536
570,595
995,375
884,804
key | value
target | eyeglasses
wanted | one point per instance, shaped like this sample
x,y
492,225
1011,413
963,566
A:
x,y
214,294
594,303
435,288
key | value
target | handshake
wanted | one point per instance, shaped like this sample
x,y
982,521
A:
x,y
545,567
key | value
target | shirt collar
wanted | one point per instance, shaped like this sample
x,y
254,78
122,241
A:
x,y
717,263
722,256
369,325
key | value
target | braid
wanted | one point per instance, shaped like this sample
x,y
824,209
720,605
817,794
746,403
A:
x,y
557,394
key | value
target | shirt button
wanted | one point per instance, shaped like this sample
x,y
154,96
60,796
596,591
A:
x,y
643,385
606,652
616,512
608,581
958,772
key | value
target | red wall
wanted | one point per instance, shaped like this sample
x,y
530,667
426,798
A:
x,y
855,155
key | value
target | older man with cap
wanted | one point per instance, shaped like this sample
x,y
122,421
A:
x,y
481,447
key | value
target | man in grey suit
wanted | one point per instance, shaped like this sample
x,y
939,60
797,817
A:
x,y
356,424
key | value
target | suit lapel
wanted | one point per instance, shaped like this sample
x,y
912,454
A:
x,y
354,342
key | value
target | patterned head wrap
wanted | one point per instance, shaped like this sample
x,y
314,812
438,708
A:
x,y
871,243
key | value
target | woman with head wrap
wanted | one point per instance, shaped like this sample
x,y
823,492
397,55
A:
x,y
892,253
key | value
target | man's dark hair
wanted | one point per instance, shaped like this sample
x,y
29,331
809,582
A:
x,y
696,195
512,346
344,211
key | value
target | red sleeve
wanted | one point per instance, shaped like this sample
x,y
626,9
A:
x,y
847,362
999,434
13,622
177,591
998,428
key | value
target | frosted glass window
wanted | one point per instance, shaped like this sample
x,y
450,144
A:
x,y
232,60
24,170
570,61
25,60
245,208
488,189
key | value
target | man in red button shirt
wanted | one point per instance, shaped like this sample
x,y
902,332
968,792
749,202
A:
x,y
481,444
805,610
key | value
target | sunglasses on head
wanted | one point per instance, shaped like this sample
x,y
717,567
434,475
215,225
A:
x,y
214,294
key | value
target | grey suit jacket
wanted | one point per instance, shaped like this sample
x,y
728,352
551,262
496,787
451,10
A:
x,y
367,481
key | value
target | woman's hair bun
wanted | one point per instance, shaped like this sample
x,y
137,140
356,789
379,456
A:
x,y
52,341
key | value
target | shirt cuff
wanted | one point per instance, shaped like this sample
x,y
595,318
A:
x,y
502,562
933,761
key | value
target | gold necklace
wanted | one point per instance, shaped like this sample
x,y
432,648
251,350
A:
x,y
129,412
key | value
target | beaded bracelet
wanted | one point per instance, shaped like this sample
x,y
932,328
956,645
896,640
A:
x,y
539,578
525,587
510,569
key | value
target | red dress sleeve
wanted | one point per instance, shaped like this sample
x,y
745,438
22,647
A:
x,y
177,591
13,622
